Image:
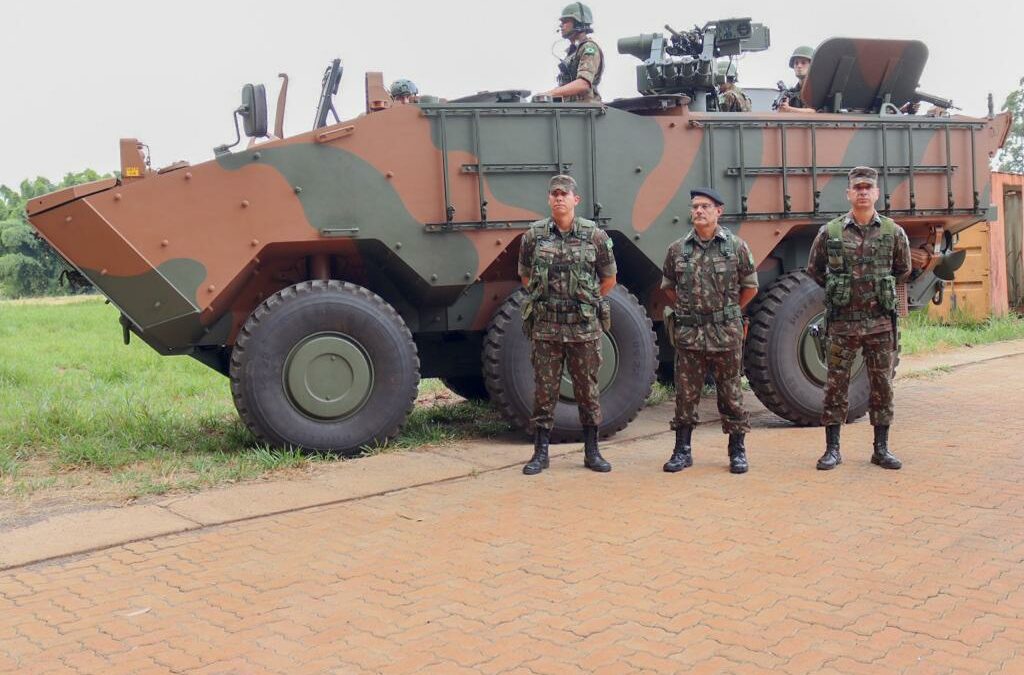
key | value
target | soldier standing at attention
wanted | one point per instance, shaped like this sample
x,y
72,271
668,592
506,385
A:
x,y
859,258
709,276
566,264
730,97
800,62
580,71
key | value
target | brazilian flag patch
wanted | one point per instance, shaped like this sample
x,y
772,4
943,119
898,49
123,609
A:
x,y
590,49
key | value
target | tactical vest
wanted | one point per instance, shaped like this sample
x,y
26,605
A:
x,y
726,265
841,259
569,67
579,277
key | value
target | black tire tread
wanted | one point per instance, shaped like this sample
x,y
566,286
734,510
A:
x,y
287,295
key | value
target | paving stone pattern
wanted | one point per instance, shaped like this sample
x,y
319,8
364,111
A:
x,y
785,569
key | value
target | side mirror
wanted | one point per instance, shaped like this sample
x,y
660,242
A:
x,y
254,110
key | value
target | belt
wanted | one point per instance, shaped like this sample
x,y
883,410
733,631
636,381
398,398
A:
x,y
729,313
858,316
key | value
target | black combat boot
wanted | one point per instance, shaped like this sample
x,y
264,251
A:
x,y
681,457
881,456
737,453
539,461
831,459
592,458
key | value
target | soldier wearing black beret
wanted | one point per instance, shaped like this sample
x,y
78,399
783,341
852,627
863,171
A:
x,y
709,276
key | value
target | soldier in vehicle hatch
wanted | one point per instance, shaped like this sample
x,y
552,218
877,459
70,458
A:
x,y
800,62
730,97
859,259
403,91
709,276
580,71
567,265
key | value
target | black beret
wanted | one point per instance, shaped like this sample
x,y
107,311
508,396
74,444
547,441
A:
x,y
710,193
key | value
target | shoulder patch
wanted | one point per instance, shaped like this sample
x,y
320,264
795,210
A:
x,y
608,243
590,49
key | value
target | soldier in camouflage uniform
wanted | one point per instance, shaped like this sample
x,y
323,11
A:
x,y
403,91
730,97
567,265
800,62
709,276
580,71
859,259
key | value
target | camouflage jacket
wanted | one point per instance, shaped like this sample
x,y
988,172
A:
x,y
860,242
583,61
559,252
793,94
734,100
707,277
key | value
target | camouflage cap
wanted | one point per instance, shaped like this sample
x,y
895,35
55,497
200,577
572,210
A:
x,y
863,174
562,182
710,193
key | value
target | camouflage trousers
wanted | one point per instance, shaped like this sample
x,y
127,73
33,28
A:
x,y
726,366
879,361
583,360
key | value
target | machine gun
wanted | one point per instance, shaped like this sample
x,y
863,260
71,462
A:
x,y
328,90
783,94
684,63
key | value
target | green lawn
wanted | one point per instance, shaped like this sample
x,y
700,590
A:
x,y
81,412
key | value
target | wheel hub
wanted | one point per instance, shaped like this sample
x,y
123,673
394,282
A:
x,y
813,352
328,376
605,375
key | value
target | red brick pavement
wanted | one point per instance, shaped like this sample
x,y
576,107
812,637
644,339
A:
x,y
785,569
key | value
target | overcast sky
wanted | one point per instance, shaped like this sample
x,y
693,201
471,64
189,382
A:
x,y
79,75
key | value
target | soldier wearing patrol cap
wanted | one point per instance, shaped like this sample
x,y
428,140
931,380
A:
x,y
567,266
580,71
709,276
859,259
800,62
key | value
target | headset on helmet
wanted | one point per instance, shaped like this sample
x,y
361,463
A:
x,y
581,14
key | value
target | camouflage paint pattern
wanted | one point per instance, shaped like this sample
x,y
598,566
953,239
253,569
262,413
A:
x,y
583,359
880,363
186,253
726,366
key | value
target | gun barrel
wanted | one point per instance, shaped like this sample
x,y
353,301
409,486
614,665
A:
x,y
933,99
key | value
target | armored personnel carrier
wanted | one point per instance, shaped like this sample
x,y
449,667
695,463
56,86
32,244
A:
x,y
326,273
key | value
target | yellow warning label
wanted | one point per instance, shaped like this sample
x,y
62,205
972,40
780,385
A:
x,y
132,172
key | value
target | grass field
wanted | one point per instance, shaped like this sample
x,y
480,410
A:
x,y
82,415
81,412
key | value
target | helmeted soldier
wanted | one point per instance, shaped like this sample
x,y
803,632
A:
x,y
708,276
800,62
859,259
580,71
403,91
567,266
730,97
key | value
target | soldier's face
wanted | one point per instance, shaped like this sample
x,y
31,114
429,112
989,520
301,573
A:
x,y
801,66
562,202
568,27
704,212
862,195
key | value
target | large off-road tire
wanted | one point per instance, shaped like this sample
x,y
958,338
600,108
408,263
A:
x,y
783,361
469,387
629,355
325,366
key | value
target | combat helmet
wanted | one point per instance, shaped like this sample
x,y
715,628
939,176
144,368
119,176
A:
x,y
579,13
802,52
403,88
